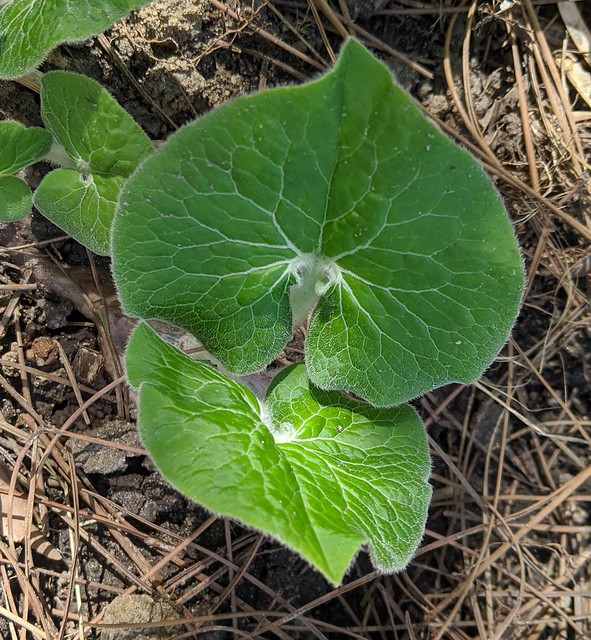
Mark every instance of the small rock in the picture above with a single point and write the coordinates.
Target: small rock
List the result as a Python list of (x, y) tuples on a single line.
[(11, 356), (103, 459), (437, 105), (88, 366), (43, 351), (56, 313), (138, 608)]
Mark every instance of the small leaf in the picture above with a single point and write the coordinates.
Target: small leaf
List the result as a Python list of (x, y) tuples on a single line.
[(29, 29), (21, 146), (15, 198), (104, 144), (339, 196), (321, 472)]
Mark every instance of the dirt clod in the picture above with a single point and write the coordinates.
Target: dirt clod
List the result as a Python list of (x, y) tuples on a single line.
[(137, 609)]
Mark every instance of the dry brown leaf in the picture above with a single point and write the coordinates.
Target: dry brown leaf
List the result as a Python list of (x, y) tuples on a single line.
[(577, 29), (18, 509), (577, 75)]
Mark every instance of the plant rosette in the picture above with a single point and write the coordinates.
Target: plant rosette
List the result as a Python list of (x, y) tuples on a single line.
[(98, 145), (338, 204)]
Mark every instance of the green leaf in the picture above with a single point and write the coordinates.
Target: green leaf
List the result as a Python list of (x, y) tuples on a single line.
[(104, 144), (29, 29), (319, 471), (15, 198), (340, 194), (21, 146)]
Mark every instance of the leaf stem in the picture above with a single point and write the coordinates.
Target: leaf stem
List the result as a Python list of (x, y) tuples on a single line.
[(315, 276), (58, 155)]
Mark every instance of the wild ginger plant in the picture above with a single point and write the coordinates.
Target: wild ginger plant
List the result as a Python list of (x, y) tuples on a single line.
[(334, 204), (98, 145), (95, 142)]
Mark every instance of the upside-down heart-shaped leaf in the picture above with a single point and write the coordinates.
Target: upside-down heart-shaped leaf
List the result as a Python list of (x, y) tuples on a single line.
[(319, 471), (29, 29), (337, 196), (104, 145)]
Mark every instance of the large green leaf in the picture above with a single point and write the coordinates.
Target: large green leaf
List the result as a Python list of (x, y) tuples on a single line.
[(30, 28), (338, 192), (321, 472), (21, 146), (104, 144)]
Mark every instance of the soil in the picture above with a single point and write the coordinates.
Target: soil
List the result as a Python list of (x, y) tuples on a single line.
[(108, 525)]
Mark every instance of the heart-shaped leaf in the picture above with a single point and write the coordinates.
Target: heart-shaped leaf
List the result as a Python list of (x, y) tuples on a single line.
[(319, 471), (30, 28), (104, 145), (340, 194)]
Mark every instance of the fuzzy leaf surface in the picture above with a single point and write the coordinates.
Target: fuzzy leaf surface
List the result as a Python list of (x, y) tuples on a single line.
[(104, 144), (321, 472), (21, 146), (16, 198), (339, 195), (29, 29)]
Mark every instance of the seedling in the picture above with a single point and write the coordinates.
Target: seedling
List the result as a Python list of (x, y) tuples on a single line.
[(339, 202), (81, 202), (333, 205), (98, 144), (29, 29)]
